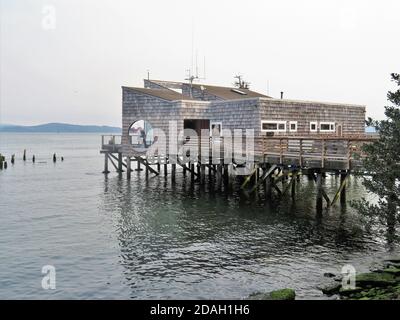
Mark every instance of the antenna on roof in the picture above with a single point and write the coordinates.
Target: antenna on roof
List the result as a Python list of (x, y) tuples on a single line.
[(148, 74), (240, 83)]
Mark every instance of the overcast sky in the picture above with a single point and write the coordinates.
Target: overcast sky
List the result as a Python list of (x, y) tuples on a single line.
[(66, 60)]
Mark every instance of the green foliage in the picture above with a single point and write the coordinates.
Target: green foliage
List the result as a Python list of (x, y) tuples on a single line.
[(283, 294), (383, 163)]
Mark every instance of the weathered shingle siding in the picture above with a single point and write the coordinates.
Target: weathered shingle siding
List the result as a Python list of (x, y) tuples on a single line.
[(351, 117), (238, 114), (156, 111)]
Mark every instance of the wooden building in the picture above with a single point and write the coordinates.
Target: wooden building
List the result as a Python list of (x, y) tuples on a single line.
[(195, 106)]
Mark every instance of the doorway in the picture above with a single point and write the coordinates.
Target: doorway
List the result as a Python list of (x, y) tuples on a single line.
[(196, 125), (339, 130)]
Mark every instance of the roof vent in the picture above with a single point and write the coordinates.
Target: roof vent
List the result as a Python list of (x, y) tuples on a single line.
[(239, 91)]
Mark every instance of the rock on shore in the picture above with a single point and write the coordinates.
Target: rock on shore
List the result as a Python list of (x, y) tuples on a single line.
[(282, 294), (381, 284)]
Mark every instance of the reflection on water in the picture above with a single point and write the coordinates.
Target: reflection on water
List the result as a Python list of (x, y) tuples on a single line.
[(179, 241), (148, 238)]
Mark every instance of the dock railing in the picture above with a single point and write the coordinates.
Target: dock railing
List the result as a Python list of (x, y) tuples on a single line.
[(329, 152), (111, 143)]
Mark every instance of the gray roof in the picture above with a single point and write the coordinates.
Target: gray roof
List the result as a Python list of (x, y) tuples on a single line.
[(229, 93), (169, 95)]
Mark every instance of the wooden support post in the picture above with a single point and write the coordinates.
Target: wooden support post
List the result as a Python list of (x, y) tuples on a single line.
[(323, 154), (106, 163), (202, 173), (294, 178), (268, 186), (343, 177), (192, 171), (138, 166), (219, 175), (301, 153), (147, 168), (120, 162), (158, 164), (165, 169), (226, 174), (128, 167), (173, 172), (319, 193), (184, 170)]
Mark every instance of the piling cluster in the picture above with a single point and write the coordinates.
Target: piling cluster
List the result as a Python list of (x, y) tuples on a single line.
[(4, 164)]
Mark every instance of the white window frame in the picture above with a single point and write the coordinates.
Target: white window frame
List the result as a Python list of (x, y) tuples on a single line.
[(332, 127), (216, 123), (316, 126), (290, 126), (278, 122)]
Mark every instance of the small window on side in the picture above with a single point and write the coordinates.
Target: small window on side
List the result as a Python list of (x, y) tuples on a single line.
[(313, 126)]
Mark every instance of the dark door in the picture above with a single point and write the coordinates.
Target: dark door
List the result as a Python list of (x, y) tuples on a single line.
[(197, 125)]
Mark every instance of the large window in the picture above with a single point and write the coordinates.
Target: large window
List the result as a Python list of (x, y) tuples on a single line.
[(327, 127), (273, 126)]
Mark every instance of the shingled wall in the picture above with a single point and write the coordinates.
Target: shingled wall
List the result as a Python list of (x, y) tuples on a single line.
[(351, 117)]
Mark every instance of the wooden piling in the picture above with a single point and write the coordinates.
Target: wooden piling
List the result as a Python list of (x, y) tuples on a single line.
[(192, 173), (319, 193), (105, 163), (173, 172), (184, 170), (128, 167), (294, 179), (138, 168), (120, 170), (13, 159), (24, 156), (226, 174), (202, 173), (343, 177)]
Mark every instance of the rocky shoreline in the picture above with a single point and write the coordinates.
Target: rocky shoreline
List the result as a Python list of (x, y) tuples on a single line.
[(382, 283)]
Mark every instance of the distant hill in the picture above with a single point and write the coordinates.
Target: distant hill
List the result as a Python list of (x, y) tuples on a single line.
[(59, 128)]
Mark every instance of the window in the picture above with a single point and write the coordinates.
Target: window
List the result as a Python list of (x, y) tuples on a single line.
[(293, 126), (273, 126), (216, 128), (327, 127), (313, 126)]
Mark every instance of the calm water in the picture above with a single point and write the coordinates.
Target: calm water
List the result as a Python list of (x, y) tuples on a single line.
[(110, 238)]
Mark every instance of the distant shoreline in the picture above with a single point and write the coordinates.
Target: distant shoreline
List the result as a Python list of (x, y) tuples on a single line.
[(58, 128)]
